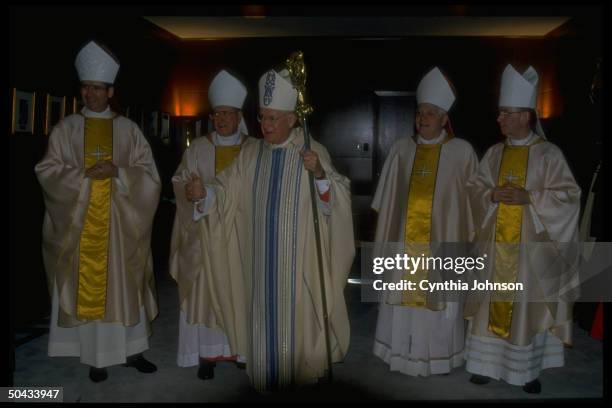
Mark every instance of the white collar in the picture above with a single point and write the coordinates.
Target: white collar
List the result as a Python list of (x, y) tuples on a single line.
[(437, 140), (105, 114), (521, 142), (230, 140)]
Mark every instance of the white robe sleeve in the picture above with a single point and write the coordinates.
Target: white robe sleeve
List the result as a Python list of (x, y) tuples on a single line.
[(480, 187), (121, 182), (322, 188), (557, 205), (202, 207)]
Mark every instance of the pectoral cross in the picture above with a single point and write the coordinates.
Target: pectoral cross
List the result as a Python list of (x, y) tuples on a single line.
[(510, 177), (422, 172), (98, 153)]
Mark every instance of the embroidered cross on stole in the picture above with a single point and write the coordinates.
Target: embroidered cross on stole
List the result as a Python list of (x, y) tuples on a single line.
[(513, 169), (94, 241), (417, 228)]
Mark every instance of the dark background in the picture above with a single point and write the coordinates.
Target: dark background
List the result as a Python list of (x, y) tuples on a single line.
[(362, 90)]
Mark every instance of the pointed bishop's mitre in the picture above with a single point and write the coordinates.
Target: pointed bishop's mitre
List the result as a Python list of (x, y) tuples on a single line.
[(435, 89), (521, 91), (93, 63), (226, 90), (518, 91), (276, 91)]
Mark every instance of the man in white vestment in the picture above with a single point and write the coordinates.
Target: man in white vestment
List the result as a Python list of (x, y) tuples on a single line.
[(526, 205), (421, 199), (276, 320), (205, 158), (101, 191)]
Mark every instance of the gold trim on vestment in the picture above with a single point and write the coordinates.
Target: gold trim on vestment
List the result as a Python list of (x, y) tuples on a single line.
[(94, 240), (513, 169), (224, 156), (417, 229)]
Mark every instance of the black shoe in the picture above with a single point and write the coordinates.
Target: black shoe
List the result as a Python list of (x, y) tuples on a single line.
[(140, 363), (206, 370), (533, 387), (240, 365), (479, 379), (97, 374), (324, 380)]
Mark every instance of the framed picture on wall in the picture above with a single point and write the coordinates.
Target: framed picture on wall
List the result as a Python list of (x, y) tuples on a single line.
[(165, 128), (56, 110), (23, 111), (77, 104), (153, 125)]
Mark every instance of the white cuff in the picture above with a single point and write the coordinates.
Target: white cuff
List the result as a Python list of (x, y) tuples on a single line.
[(322, 185), (122, 184), (539, 227), (202, 207), (489, 213)]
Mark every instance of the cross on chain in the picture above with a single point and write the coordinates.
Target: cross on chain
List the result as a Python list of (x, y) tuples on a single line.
[(510, 177), (423, 172), (98, 153)]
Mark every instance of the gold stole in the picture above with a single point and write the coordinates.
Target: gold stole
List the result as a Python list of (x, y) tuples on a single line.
[(417, 229), (94, 243), (224, 156), (513, 169)]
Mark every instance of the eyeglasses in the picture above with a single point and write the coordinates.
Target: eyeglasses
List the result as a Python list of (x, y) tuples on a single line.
[(505, 113), (222, 114), (270, 119)]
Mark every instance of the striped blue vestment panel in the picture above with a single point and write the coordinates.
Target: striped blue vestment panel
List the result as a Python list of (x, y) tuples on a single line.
[(275, 192)]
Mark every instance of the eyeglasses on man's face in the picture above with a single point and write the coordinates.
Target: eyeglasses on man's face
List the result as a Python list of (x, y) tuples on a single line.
[(272, 119), (502, 113), (223, 114)]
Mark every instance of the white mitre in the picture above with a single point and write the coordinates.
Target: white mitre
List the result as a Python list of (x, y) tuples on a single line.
[(93, 63), (435, 89), (520, 91), (276, 91), (227, 90)]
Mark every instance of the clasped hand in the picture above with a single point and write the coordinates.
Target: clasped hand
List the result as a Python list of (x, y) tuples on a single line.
[(194, 190), (103, 169), (510, 194), (312, 163)]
